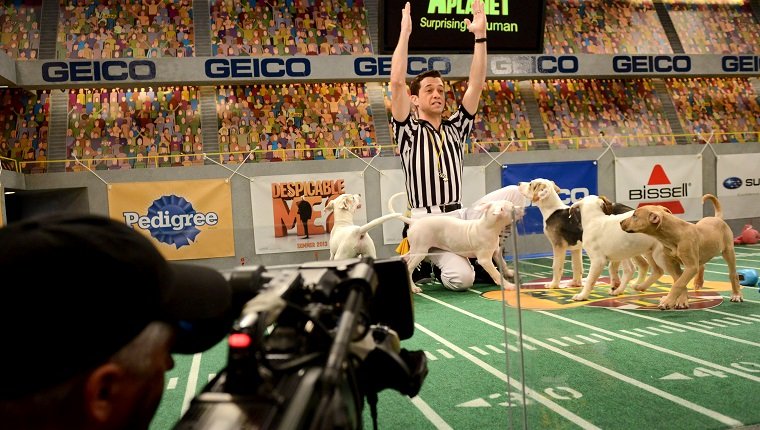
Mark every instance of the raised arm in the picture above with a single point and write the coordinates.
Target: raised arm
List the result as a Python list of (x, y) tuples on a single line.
[(477, 78), (400, 102)]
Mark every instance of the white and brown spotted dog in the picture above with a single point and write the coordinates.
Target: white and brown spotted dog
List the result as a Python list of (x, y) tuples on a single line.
[(687, 244), (563, 230), (346, 239)]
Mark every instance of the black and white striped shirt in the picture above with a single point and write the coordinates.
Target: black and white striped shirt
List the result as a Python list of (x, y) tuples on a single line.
[(432, 159)]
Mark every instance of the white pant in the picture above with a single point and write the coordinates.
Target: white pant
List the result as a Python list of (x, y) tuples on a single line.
[(456, 271)]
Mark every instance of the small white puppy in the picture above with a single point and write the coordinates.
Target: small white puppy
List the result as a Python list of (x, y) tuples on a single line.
[(346, 239)]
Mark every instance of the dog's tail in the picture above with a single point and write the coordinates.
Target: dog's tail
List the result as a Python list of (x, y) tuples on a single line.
[(377, 221), (393, 211), (715, 202)]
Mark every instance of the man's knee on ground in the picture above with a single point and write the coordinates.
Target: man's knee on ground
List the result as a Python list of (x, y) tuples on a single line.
[(457, 281)]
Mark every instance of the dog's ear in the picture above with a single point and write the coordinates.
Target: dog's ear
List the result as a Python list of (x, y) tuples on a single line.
[(482, 207), (574, 209), (556, 187), (541, 194), (606, 205), (654, 218), (345, 202), (667, 210), (330, 206)]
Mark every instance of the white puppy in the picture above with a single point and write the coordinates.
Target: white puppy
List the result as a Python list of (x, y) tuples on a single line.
[(476, 238), (604, 240), (346, 239)]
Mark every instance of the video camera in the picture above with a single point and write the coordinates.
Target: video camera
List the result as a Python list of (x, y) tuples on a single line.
[(311, 342)]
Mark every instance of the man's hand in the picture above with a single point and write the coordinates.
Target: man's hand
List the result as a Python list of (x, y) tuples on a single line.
[(406, 20), (478, 24)]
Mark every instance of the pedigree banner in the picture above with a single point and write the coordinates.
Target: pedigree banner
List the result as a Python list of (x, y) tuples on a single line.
[(289, 210), (671, 181), (392, 182), (184, 219), (738, 185)]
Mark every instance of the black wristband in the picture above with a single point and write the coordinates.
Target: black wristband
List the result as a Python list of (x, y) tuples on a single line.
[(481, 40)]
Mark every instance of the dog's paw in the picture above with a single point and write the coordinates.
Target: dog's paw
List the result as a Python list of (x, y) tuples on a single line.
[(580, 298), (576, 283), (737, 298), (508, 285), (551, 285), (640, 288), (617, 291), (416, 289), (668, 302)]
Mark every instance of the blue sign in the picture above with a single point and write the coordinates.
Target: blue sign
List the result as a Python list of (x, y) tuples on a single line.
[(576, 180)]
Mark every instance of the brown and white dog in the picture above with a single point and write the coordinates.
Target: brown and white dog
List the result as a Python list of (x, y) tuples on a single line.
[(690, 245), (563, 230), (346, 239), (605, 241), (471, 238)]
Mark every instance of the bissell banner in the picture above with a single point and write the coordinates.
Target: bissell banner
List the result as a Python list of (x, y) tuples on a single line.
[(289, 210), (184, 219), (392, 182), (738, 185), (576, 180), (671, 181)]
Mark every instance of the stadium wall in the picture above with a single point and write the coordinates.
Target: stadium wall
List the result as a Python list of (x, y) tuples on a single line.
[(84, 192), (249, 70)]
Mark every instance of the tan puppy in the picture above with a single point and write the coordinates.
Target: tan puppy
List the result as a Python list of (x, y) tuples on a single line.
[(689, 244)]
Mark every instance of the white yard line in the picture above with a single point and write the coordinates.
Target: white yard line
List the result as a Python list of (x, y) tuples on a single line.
[(533, 394), (646, 387), (430, 414), (192, 382), (744, 375), (687, 327)]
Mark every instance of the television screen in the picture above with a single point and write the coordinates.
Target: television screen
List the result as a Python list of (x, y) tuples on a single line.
[(514, 27)]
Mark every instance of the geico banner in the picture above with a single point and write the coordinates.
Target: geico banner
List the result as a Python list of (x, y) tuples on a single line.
[(392, 182), (244, 70), (671, 181), (738, 185), (184, 219), (289, 210), (575, 179)]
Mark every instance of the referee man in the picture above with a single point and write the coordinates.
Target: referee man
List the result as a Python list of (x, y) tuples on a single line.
[(431, 147)]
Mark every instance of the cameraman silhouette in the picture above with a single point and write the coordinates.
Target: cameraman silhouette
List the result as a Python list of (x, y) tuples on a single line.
[(91, 353)]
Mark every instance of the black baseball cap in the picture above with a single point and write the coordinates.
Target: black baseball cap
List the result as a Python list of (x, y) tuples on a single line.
[(84, 287)]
